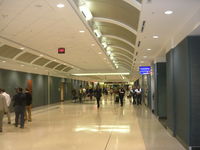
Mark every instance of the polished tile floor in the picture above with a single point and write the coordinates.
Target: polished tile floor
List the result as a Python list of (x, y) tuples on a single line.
[(74, 126)]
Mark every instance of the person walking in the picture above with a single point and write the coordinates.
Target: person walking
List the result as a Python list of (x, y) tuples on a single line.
[(19, 107), (80, 94), (98, 94), (28, 105), (3, 109), (139, 95), (74, 97), (8, 101), (121, 95)]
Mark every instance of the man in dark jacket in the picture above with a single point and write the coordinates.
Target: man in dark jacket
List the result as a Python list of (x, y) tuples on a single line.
[(121, 95), (98, 94), (28, 105), (19, 107)]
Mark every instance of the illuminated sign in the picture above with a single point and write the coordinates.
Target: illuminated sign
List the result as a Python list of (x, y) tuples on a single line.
[(61, 50), (145, 70)]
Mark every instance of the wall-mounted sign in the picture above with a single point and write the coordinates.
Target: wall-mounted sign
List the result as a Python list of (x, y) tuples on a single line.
[(145, 70), (61, 50)]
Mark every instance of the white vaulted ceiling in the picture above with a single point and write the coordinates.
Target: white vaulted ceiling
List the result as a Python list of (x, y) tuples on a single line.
[(40, 28)]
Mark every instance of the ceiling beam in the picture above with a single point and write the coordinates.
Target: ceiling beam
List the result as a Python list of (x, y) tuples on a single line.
[(112, 21), (118, 38)]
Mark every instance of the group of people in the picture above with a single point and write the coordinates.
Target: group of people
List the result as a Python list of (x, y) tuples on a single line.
[(136, 95), (22, 102)]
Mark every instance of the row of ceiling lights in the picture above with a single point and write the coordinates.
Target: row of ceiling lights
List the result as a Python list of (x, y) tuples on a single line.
[(88, 16), (167, 12)]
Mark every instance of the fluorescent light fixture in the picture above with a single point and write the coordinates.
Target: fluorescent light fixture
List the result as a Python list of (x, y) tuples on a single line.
[(114, 61), (100, 53), (101, 74), (111, 57), (81, 31), (22, 48), (86, 12), (104, 44), (108, 52), (168, 12), (60, 5), (97, 33), (122, 77), (148, 49), (155, 36), (117, 66), (108, 48)]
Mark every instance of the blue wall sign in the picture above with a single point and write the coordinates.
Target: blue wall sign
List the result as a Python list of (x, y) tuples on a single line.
[(145, 70)]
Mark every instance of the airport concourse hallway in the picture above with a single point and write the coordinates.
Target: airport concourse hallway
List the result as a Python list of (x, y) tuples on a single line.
[(75, 126)]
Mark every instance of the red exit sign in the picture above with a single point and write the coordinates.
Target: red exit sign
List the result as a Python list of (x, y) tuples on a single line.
[(61, 50)]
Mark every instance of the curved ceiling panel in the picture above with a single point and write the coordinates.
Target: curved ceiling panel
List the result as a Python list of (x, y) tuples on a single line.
[(118, 59), (116, 10), (122, 56), (124, 65), (122, 52), (113, 29), (118, 43)]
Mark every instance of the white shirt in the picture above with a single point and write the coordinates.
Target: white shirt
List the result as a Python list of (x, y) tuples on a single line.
[(8, 99), (138, 91)]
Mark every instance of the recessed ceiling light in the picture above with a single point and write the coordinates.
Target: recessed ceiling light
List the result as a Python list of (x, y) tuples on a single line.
[(104, 58), (168, 12), (22, 48), (81, 31), (22, 65), (148, 49), (54, 60), (41, 55), (145, 56), (60, 5), (3, 61), (155, 36), (142, 62), (92, 44), (99, 53)]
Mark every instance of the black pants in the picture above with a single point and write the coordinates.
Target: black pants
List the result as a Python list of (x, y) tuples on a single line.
[(139, 99), (98, 101), (19, 113), (121, 100), (134, 99)]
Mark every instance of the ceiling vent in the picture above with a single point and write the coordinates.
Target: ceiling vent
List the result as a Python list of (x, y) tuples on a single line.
[(41, 61), (8, 51), (143, 25), (149, 1), (26, 57), (139, 42), (52, 64)]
